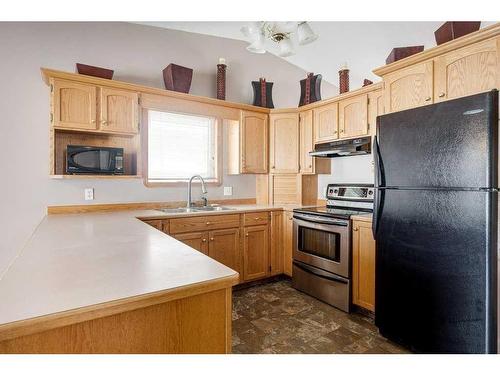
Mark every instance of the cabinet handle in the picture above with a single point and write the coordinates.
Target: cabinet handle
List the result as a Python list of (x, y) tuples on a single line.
[(335, 132), (104, 122), (310, 166), (341, 130), (428, 99), (208, 222), (355, 229), (204, 240), (211, 238), (442, 95), (92, 121), (272, 167), (257, 218), (290, 218), (246, 235)]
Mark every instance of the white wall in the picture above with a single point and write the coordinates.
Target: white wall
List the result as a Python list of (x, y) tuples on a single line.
[(351, 169), (138, 54)]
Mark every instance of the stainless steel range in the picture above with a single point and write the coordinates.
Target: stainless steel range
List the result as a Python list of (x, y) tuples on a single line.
[(322, 250)]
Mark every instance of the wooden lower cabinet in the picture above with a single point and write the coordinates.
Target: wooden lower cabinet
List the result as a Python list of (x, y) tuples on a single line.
[(196, 240), (224, 247), (363, 260), (288, 243), (256, 252), (277, 245)]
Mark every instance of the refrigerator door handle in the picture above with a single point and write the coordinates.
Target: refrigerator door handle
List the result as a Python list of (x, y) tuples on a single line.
[(378, 191)]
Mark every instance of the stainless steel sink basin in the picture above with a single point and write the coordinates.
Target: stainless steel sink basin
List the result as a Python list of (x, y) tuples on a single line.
[(213, 208), (181, 210)]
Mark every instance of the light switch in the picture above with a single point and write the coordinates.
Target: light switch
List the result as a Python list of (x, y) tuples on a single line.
[(228, 190), (89, 194)]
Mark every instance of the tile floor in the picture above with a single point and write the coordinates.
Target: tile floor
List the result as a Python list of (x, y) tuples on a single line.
[(275, 318)]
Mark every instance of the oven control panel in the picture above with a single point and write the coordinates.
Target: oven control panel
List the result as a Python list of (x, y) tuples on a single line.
[(350, 192)]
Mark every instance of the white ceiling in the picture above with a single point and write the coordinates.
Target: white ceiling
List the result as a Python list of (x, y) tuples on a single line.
[(363, 45)]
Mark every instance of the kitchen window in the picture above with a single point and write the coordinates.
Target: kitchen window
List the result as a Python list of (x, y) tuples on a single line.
[(180, 146)]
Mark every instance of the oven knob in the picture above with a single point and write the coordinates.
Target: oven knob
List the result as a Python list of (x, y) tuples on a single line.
[(336, 191), (370, 192)]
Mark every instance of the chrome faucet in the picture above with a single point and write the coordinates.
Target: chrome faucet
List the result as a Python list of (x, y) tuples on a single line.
[(203, 190)]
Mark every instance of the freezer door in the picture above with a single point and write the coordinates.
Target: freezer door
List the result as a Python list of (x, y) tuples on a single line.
[(436, 266), (450, 144)]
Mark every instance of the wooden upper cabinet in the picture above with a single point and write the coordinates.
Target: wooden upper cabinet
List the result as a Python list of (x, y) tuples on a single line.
[(409, 87), (375, 108), (74, 105), (196, 240), (277, 244), (256, 252), (363, 265), (306, 141), (118, 110), (224, 247), (353, 116), (326, 123), (254, 142), (468, 70), (284, 141)]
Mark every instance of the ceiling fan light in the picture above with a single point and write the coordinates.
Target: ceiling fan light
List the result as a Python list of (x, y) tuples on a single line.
[(305, 33), (286, 48), (257, 46)]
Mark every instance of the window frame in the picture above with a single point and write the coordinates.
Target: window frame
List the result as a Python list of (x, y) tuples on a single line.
[(218, 150)]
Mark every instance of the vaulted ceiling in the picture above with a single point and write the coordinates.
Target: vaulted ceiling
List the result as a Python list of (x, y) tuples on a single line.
[(362, 45)]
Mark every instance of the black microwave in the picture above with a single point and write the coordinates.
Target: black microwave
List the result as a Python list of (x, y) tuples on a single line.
[(94, 160)]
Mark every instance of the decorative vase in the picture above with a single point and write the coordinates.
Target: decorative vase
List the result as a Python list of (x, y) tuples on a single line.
[(263, 93), (94, 71), (402, 52), (310, 89), (343, 79), (221, 79), (455, 29), (367, 82), (177, 78)]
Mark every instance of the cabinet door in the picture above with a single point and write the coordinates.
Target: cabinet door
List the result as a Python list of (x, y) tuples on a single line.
[(118, 111), (284, 140), (196, 240), (285, 189), (157, 224), (225, 247), (409, 88), (254, 141), (468, 70), (306, 141), (363, 258), (375, 108), (288, 243), (74, 105), (277, 244), (256, 252), (353, 116), (326, 123)]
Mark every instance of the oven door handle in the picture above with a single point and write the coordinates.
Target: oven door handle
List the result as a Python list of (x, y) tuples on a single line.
[(320, 273), (319, 221)]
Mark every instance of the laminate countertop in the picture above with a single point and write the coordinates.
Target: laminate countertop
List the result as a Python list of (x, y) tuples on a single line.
[(75, 261)]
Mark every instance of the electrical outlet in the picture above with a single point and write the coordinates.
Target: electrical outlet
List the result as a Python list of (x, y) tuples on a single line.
[(228, 190), (89, 194)]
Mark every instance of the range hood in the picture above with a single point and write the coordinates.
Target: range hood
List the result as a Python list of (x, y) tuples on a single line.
[(348, 147)]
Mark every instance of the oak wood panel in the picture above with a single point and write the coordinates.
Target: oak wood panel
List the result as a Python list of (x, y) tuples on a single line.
[(284, 143), (197, 324), (224, 247), (118, 110), (196, 240), (467, 71), (353, 116), (74, 105), (256, 252), (165, 226), (288, 243), (254, 142), (326, 123), (277, 244), (256, 218), (363, 257), (203, 223), (65, 138), (308, 164), (285, 189), (409, 88), (375, 108), (262, 195), (157, 223)]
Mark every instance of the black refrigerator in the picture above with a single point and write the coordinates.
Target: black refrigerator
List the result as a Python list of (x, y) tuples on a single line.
[(435, 226)]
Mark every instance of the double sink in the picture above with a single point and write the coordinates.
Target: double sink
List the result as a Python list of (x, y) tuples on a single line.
[(181, 210)]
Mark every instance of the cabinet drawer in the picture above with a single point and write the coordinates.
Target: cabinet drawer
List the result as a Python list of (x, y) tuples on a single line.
[(200, 223), (256, 218)]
